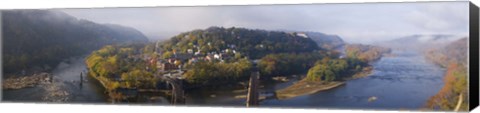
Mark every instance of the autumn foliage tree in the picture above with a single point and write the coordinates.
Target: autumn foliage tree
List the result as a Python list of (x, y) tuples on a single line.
[(454, 93)]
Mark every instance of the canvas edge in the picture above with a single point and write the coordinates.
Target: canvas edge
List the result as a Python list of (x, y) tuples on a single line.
[(473, 56)]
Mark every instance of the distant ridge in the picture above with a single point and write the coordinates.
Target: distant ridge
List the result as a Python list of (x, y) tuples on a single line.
[(42, 38), (420, 42), (323, 40)]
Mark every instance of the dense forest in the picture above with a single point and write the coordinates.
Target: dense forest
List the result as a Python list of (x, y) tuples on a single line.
[(453, 57), (213, 74), (121, 66), (327, 70), (365, 53), (284, 64), (252, 43), (357, 58), (38, 40)]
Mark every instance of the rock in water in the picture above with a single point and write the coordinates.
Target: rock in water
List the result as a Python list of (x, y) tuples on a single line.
[(26, 81), (373, 98)]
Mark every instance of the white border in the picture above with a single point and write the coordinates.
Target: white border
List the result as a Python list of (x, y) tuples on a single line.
[(74, 108)]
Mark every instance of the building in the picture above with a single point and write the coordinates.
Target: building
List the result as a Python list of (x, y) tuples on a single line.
[(193, 60), (217, 56), (166, 66), (190, 51), (183, 56), (302, 35)]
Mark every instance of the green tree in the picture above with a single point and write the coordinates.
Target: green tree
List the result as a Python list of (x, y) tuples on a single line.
[(167, 54)]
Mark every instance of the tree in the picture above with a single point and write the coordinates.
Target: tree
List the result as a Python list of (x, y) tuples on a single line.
[(211, 73), (167, 54), (333, 69), (287, 63)]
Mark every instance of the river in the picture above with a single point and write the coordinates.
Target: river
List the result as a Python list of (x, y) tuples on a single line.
[(67, 78), (405, 81)]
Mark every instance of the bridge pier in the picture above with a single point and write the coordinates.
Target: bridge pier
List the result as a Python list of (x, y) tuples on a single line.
[(176, 86), (178, 94)]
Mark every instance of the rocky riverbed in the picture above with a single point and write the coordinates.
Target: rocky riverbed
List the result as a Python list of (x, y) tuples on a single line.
[(55, 90), (26, 81)]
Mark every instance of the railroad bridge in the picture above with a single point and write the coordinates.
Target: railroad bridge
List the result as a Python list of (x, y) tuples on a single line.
[(253, 85), (175, 82)]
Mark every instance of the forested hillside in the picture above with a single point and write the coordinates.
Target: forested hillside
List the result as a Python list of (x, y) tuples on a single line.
[(454, 94), (251, 43), (365, 53), (419, 42), (326, 41), (39, 39), (454, 52)]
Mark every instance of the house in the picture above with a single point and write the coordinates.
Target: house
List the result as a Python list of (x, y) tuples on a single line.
[(231, 46), (225, 56), (217, 56), (193, 60), (209, 57), (197, 53), (152, 61), (166, 66), (183, 56), (190, 51), (171, 60)]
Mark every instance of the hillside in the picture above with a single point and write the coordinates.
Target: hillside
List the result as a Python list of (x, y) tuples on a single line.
[(326, 41), (420, 42), (323, 40), (453, 57), (252, 43), (365, 53), (40, 39), (454, 52)]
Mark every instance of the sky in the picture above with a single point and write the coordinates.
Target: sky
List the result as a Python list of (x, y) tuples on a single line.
[(362, 23)]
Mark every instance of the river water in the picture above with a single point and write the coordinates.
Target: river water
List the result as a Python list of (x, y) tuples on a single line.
[(67, 78), (405, 81)]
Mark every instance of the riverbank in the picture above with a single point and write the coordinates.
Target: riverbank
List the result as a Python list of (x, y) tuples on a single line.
[(305, 87), (364, 73), (26, 81), (52, 90)]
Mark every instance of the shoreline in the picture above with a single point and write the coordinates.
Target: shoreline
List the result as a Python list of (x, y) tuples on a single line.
[(364, 73), (34, 80), (304, 87), (54, 89)]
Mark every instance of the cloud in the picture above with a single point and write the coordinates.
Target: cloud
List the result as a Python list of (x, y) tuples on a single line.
[(354, 22), (441, 17)]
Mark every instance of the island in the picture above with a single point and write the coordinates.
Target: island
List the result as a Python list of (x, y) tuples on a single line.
[(330, 73)]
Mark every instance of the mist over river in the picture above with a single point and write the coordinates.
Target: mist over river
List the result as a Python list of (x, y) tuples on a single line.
[(404, 81)]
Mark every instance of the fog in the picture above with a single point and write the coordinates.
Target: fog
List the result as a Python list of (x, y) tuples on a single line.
[(363, 23)]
